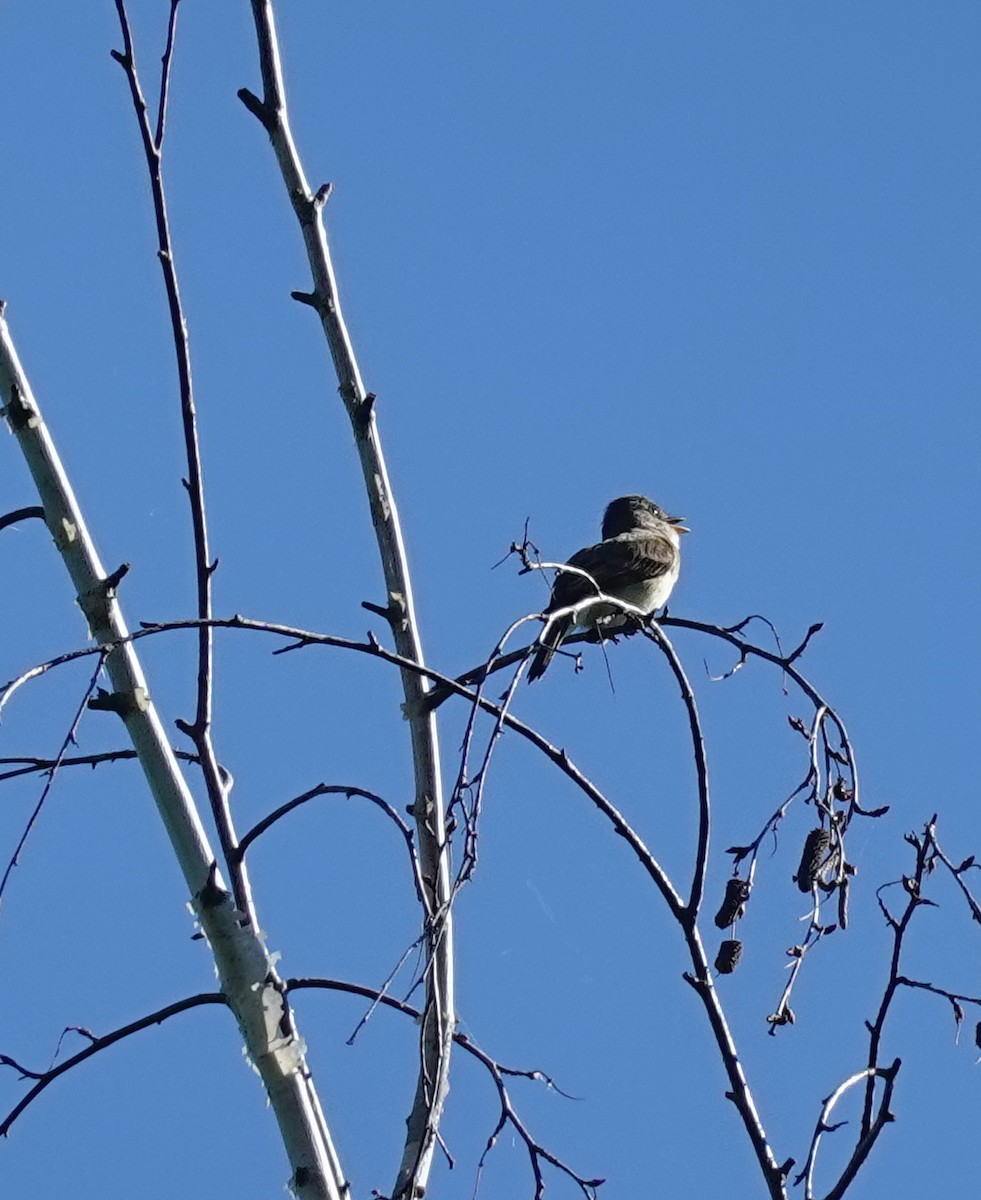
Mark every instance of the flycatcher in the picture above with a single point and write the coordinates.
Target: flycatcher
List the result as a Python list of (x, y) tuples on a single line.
[(637, 562)]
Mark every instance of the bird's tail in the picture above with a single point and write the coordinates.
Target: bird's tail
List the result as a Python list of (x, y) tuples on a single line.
[(551, 639)]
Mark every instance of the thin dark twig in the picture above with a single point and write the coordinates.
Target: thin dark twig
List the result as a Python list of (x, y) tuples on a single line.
[(102, 1043), (68, 741), (373, 649), (34, 766), (958, 873), (660, 639), (21, 514), (497, 1071), (474, 785), (953, 997), (912, 886), (199, 731), (337, 789), (383, 991), (165, 65)]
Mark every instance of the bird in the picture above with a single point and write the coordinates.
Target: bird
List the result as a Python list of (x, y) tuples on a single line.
[(637, 562)]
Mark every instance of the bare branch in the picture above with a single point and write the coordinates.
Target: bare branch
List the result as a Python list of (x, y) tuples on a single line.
[(658, 636), (824, 1126), (308, 638), (883, 1117), (21, 514), (953, 997), (165, 64), (246, 970), (216, 782), (69, 741), (335, 789), (774, 1173), (436, 1034), (508, 1114), (33, 766), (95, 1046), (958, 873)]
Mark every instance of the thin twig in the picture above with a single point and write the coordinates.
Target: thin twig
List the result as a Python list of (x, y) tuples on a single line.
[(21, 514), (913, 887), (46, 1078), (68, 741), (166, 62), (199, 731), (35, 766), (336, 789), (652, 630), (508, 1115)]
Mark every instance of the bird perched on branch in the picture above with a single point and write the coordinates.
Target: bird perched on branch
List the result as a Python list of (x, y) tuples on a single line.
[(637, 562)]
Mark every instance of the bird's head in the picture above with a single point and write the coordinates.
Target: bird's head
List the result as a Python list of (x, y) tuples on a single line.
[(637, 512)]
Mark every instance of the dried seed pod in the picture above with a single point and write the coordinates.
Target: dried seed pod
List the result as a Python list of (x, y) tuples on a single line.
[(734, 903), (728, 957), (812, 856)]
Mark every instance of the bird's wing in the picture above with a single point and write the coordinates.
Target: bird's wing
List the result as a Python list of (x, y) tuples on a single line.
[(614, 564)]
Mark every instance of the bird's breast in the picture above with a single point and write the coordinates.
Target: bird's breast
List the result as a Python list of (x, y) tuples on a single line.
[(647, 594)]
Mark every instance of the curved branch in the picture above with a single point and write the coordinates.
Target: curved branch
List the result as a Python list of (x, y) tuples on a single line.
[(21, 514), (46, 1078), (864, 1148), (657, 635), (823, 1126), (300, 638), (337, 789)]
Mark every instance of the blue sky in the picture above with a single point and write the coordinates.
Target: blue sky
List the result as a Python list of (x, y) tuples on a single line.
[(726, 255)]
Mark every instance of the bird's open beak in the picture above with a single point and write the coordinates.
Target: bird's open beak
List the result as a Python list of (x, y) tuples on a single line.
[(677, 523)]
